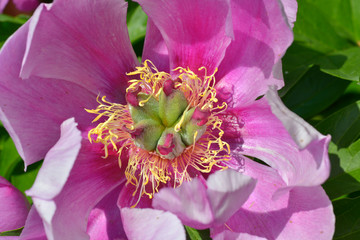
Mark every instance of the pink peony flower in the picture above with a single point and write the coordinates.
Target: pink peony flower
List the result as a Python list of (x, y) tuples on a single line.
[(146, 155), (14, 207)]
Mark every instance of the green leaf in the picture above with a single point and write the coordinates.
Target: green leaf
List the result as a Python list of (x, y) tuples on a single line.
[(15, 232), (347, 226), (314, 93), (314, 28), (328, 32), (194, 234), (339, 63), (343, 125), (20, 19), (24, 180), (342, 15), (351, 95), (344, 64), (12, 166), (345, 170), (9, 157), (296, 62), (8, 25), (136, 23)]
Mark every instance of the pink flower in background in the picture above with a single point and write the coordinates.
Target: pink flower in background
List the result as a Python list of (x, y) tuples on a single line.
[(3, 4), (22, 5), (156, 133), (26, 5), (14, 207)]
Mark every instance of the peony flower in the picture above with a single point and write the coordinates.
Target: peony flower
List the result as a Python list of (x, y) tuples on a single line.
[(14, 207), (136, 151)]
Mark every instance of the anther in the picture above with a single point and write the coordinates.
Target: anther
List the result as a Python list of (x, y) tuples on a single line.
[(131, 96), (168, 86), (134, 132), (168, 145), (177, 80), (200, 116)]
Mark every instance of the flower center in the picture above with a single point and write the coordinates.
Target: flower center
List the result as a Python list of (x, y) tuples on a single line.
[(165, 123), (170, 127)]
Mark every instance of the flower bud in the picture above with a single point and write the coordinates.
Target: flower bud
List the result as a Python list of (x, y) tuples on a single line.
[(149, 110), (194, 126), (171, 106), (150, 133), (170, 144)]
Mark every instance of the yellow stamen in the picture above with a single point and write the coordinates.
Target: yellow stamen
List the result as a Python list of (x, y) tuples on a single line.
[(148, 170)]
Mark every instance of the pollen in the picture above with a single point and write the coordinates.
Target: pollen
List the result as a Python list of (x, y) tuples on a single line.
[(170, 128)]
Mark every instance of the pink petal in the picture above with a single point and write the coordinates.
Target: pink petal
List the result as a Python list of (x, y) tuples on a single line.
[(26, 5), (3, 4), (34, 228), (290, 8), (49, 184), (228, 235), (302, 213), (196, 32), (228, 191), (127, 199), (150, 224), (189, 203), (35, 108), (104, 220), (201, 206), (301, 132), (71, 183), (83, 42), (261, 37), (14, 207), (265, 137), (155, 48)]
